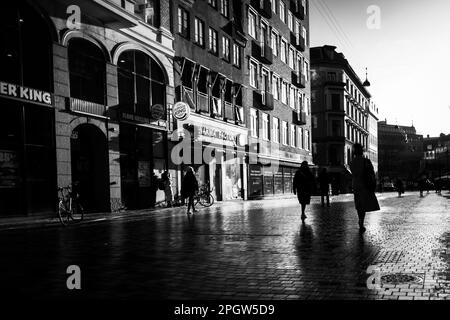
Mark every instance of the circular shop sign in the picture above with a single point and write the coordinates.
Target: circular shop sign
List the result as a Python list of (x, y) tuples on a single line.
[(157, 111), (181, 111), (241, 140)]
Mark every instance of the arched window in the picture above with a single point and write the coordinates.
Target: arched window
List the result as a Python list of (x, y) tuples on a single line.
[(141, 83), (87, 68), (26, 46)]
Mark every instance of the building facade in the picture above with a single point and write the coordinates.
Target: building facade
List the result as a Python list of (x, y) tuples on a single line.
[(436, 157), (208, 67), (276, 70), (341, 114), (85, 90), (400, 151), (242, 67), (372, 145)]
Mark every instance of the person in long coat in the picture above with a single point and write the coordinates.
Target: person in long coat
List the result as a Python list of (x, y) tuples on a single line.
[(303, 185), (189, 187), (364, 185)]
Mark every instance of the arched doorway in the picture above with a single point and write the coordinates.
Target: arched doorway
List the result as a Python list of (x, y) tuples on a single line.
[(89, 155)]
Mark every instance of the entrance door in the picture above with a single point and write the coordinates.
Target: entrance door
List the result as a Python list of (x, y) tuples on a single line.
[(90, 174), (218, 182)]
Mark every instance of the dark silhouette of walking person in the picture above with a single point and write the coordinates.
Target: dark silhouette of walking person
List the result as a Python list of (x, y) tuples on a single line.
[(422, 183), (364, 185), (438, 186), (399, 187), (167, 187), (153, 189), (303, 186), (324, 182), (189, 187)]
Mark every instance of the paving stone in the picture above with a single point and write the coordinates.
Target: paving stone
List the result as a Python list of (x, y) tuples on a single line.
[(249, 250)]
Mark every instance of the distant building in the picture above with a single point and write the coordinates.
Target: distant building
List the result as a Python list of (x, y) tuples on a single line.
[(341, 111), (400, 152), (436, 156), (277, 65), (372, 146)]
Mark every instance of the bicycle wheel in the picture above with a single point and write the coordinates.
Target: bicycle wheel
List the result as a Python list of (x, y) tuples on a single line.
[(63, 214), (77, 212), (206, 200)]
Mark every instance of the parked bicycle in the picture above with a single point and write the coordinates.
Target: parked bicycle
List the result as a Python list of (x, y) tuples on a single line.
[(204, 196), (69, 207)]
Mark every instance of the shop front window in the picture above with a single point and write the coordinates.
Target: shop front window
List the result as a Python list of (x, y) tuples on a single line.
[(27, 151), (87, 68), (141, 83), (26, 47)]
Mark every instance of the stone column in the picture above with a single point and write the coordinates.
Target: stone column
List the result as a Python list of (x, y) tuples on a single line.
[(62, 119), (113, 131)]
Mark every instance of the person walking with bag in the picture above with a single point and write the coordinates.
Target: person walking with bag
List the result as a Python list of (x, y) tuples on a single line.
[(364, 185), (189, 187), (303, 186)]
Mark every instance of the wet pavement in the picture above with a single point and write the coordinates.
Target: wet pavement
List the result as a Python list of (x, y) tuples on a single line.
[(242, 250)]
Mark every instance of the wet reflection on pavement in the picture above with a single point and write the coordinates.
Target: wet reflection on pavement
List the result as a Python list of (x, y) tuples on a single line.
[(243, 250)]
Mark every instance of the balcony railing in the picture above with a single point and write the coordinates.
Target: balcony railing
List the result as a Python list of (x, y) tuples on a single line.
[(297, 9), (298, 79), (217, 107), (263, 100), (299, 117), (300, 43), (262, 52), (229, 112), (264, 7), (239, 111), (213, 106), (86, 107), (202, 102), (186, 94), (234, 114)]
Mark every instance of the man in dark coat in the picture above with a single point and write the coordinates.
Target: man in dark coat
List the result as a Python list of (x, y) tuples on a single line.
[(303, 186), (324, 182), (189, 187)]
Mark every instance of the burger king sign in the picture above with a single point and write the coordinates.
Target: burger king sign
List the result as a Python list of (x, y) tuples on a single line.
[(181, 111)]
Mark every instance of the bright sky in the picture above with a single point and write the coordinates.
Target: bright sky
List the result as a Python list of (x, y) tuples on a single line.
[(408, 58)]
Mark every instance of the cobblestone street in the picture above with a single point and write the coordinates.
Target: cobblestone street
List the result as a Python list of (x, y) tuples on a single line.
[(243, 250)]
